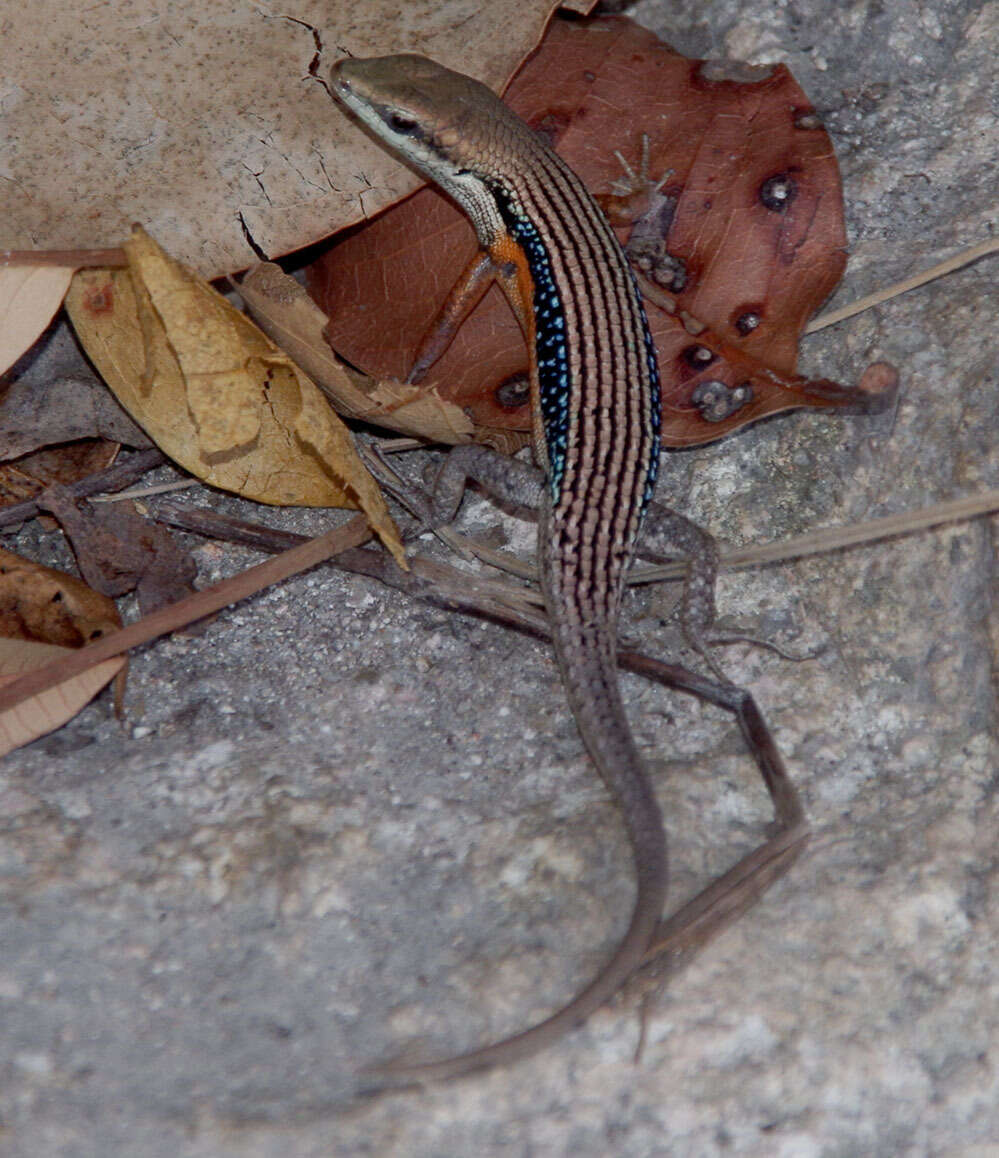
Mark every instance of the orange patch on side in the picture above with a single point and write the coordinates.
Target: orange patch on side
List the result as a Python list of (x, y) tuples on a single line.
[(518, 285)]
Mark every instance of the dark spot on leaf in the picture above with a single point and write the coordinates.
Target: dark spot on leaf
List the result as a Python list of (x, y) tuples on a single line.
[(551, 126), (698, 357), (99, 299), (717, 401), (646, 250), (777, 192), (747, 321), (671, 273), (513, 392)]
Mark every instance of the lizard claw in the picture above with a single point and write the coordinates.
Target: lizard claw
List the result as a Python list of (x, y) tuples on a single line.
[(411, 496)]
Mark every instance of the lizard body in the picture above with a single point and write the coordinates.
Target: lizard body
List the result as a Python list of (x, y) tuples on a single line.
[(595, 397)]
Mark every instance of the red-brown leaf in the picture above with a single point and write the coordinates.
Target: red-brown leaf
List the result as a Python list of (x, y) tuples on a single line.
[(725, 131)]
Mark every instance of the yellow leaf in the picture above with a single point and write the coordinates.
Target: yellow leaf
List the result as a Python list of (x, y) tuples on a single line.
[(214, 392)]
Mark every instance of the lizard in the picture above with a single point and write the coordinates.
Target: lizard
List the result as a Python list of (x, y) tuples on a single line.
[(595, 416)]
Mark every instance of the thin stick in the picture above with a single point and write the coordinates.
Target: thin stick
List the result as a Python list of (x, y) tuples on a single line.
[(428, 579), (810, 543), (965, 257), (186, 611), (148, 492), (70, 258)]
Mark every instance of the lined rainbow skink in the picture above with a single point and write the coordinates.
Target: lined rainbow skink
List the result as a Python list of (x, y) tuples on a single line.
[(595, 397)]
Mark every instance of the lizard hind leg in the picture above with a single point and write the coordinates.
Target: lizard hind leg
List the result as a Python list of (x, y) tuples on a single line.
[(666, 532)]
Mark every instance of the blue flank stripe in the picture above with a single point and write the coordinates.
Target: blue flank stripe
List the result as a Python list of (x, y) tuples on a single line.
[(554, 383), (550, 346)]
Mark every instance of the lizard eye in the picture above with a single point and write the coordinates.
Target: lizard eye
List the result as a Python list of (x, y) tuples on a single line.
[(404, 125)]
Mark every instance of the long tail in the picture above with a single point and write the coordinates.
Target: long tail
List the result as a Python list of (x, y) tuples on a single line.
[(587, 659)]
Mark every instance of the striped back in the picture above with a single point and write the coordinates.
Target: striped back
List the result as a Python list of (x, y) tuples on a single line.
[(596, 365)]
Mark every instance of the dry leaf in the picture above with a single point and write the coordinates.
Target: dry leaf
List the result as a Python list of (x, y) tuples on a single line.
[(39, 603), (76, 421), (118, 551), (203, 119), (27, 477), (29, 298), (39, 414), (50, 709), (215, 393), (286, 313), (44, 613)]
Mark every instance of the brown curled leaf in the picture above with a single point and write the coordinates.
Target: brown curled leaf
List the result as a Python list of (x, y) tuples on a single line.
[(286, 313), (26, 477), (37, 414), (118, 551), (40, 603)]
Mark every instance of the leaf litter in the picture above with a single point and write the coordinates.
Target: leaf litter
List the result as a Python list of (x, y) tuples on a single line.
[(635, 200)]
